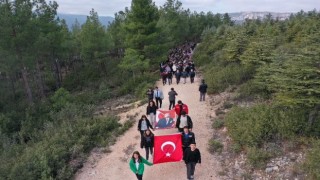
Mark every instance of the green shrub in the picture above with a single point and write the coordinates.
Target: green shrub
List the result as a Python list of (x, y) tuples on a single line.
[(60, 99), (263, 123), (50, 158), (257, 158), (274, 149), (235, 148), (219, 112), (215, 146), (250, 91), (139, 85), (7, 125), (219, 78), (104, 92), (312, 165), (227, 105), (127, 125), (72, 112), (218, 123)]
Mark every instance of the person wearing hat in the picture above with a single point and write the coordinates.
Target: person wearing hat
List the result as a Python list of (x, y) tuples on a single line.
[(181, 107), (191, 157), (184, 121), (203, 90)]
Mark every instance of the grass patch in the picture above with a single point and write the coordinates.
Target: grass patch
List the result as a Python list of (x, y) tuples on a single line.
[(257, 158), (215, 146), (312, 166), (236, 148), (227, 105), (219, 112), (218, 123)]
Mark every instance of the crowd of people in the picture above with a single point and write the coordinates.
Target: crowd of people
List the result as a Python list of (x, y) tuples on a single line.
[(179, 65), (181, 59)]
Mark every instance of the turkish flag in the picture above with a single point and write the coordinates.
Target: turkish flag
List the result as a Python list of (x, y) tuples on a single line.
[(167, 148)]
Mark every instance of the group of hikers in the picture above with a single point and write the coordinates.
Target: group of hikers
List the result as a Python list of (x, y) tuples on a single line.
[(179, 65), (183, 123)]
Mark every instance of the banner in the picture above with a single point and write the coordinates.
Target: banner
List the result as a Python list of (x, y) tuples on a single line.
[(165, 119), (167, 148)]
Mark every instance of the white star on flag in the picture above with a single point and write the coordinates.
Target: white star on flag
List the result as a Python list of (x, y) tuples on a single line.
[(168, 154)]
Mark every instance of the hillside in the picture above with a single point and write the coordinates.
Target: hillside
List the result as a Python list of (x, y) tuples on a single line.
[(240, 17), (71, 19), (61, 90)]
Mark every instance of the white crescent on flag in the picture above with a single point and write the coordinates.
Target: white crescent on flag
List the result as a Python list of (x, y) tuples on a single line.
[(168, 143)]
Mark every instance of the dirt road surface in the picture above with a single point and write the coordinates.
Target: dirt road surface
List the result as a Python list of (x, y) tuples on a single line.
[(115, 165)]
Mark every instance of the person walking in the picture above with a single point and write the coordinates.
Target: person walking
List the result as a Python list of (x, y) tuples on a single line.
[(192, 75), (137, 164), (184, 121), (151, 112), (174, 68), (184, 75), (188, 138), (178, 76), (203, 90), (164, 76), (143, 125), (172, 98), (170, 77), (191, 157), (150, 94), (181, 107), (148, 143), (158, 95)]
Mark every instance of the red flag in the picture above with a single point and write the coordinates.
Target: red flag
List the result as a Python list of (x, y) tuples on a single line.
[(167, 148)]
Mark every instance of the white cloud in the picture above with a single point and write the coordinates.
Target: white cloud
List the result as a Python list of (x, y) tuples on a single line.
[(110, 7)]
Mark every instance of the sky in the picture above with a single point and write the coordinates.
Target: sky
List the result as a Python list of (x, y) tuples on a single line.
[(110, 7)]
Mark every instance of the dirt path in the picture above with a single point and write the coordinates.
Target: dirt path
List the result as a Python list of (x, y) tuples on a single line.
[(114, 166)]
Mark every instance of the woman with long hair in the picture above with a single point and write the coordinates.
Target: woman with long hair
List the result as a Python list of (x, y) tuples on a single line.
[(151, 112), (143, 125), (137, 164), (148, 142)]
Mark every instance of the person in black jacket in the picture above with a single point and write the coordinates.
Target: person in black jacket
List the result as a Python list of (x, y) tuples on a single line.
[(151, 112), (148, 142), (203, 90), (170, 77), (178, 76), (183, 121), (192, 75), (143, 125), (188, 138), (150, 94), (191, 157)]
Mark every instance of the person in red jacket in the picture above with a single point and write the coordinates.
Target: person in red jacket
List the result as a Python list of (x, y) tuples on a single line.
[(181, 107)]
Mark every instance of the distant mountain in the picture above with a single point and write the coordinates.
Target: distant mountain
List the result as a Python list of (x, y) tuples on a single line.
[(238, 17), (71, 18), (242, 16)]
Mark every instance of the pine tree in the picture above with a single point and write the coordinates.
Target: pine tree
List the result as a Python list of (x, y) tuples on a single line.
[(141, 26)]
